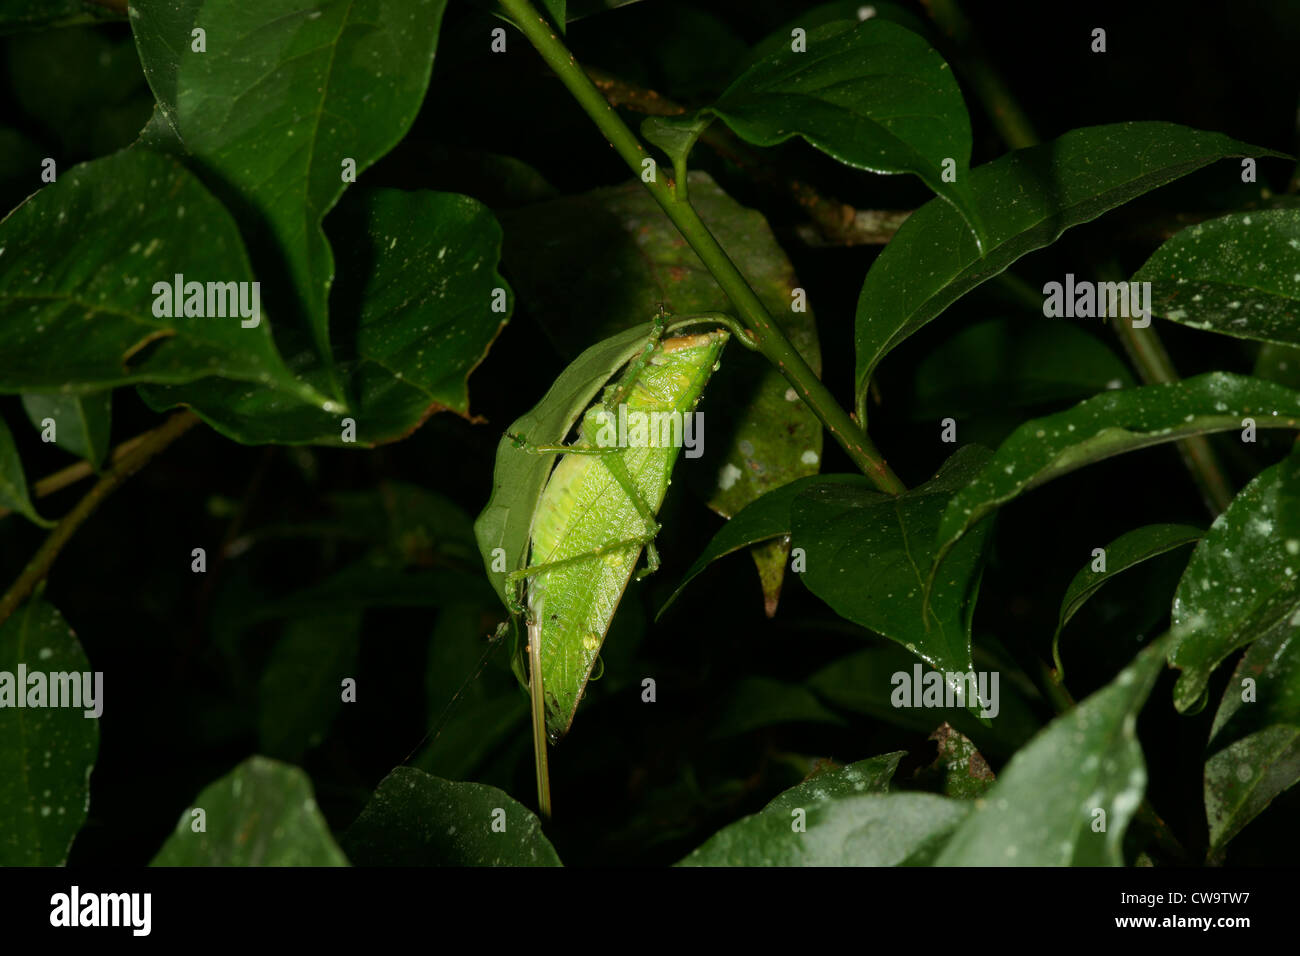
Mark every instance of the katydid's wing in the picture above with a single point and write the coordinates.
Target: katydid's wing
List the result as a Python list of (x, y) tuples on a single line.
[(594, 518), (503, 527)]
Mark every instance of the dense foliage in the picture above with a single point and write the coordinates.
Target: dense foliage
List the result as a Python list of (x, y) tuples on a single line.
[(335, 285)]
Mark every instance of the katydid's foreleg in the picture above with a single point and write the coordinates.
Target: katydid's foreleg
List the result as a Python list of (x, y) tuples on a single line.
[(519, 441)]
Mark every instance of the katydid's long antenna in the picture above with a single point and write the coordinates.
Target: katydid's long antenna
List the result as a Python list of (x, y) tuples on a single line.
[(539, 719), (441, 722)]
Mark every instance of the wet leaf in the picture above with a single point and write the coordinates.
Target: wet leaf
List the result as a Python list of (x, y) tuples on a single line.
[(1110, 424), (1026, 200), (849, 819), (262, 813), (1242, 583), (1126, 551), (1238, 275), (337, 81), (301, 689), (13, 483), (413, 316), (1255, 744), (875, 96), (764, 519), (867, 555), (81, 422), (415, 819), (1083, 771), (960, 770), (46, 752), (120, 225)]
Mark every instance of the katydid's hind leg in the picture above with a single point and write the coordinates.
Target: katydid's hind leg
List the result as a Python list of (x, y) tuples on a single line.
[(624, 479)]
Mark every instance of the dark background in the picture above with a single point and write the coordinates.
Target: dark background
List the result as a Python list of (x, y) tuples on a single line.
[(632, 783)]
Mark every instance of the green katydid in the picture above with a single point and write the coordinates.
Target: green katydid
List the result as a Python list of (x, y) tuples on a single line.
[(594, 516)]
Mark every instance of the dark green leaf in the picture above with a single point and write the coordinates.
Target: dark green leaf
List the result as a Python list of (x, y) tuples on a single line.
[(412, 318), (19, 15), (1026, 200), (81, 422), (763, 519), (849, 817), (262, 813), (1255, 742), (1013, 363), (302, 686), (13, 484), (339, 81), (846, 14), (46, 752), (759, 702), (1126, 551), (1239, 275), (1110, 424), (1242, 583), (867, 553), (415, 819), (1082, 773), (120, 225), (876, 96), (864, 682)]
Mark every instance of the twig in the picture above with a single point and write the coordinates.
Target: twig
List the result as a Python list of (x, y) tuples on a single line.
[(148, 445)]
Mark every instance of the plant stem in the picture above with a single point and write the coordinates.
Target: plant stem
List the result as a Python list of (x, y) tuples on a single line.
[(146, 446), (770, 340), (1149, 357)]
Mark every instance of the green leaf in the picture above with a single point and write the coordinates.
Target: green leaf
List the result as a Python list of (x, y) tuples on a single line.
[(867, 553), (1026, 200), (1126, 551), (13, 484), (1255, 743), (846, 14), (876, 97), (1110, 424), (759, 702), (415, 819), (19, 15), (1013, 363), (120, 225), (1043, 809), (863, 682), (339, 81), (763, 519), (46, 753), (849, 817), (1242, 583), (81, 422), (302, 685), (1238, 275), (412, 318), (262, 813), (520, 475)]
